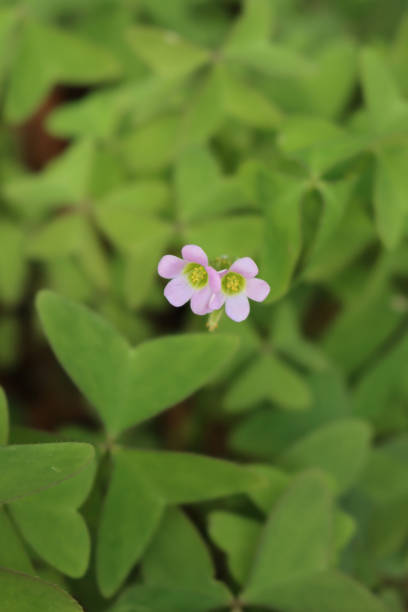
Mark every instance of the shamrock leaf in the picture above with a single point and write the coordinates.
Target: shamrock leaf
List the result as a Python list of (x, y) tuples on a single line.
[(120, 382)]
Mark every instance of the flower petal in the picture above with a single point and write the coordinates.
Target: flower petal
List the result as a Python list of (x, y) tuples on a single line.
[(214, 279), (194, 253), (170, 266), (178, 291), (237, 307), (257, 289), (245, 266), (200, 300), (216, 301)]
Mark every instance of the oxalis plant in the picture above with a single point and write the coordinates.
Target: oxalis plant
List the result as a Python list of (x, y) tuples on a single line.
[(147, 551), (239, 444)]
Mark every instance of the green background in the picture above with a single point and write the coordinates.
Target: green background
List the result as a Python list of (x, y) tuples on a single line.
[(145, 464)]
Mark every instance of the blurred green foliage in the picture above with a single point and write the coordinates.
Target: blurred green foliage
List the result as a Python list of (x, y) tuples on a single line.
[(275, 129)]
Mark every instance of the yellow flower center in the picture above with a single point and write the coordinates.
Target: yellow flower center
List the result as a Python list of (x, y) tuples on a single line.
[(197, 275), (233, 283)]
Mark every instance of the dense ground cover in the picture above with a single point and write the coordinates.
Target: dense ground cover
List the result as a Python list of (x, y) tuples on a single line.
[(145, 463)]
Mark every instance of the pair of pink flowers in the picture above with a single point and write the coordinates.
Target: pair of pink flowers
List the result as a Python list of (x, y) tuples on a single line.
[(192, 278)]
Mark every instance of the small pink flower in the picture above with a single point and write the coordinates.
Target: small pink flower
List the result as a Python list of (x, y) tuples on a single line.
[(192, 279), (237, 285)]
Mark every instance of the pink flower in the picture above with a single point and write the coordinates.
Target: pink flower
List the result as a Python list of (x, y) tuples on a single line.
[(192, 279), (237, 285)]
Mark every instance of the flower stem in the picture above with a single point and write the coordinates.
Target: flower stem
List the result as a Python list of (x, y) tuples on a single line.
[(213, 319)]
